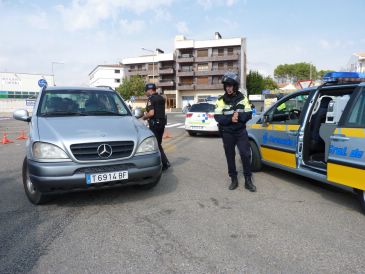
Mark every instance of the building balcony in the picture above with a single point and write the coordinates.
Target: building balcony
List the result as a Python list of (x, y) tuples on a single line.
[(216, 58), (166, 83), (208, 86), (185, 73), (183, 86), (132, 72), (203, 59), (203, 73), (185, 59), (166, 71)]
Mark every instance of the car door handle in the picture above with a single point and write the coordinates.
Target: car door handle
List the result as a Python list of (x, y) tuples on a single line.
[(339, 138), (292, 132)]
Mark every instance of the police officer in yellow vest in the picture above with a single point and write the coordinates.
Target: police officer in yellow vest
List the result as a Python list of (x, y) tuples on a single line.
[(232, 112)]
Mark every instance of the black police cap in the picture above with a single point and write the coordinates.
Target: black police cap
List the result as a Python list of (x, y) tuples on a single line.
[(150, 86)]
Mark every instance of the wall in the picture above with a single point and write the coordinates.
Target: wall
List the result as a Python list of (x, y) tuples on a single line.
[(8, 106)]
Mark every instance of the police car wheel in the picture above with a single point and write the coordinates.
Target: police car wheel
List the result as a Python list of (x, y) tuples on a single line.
[(192, 133), (361, 196), (33, 194), (256, 164)]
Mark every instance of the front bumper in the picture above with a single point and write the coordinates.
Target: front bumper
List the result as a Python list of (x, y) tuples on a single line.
[(64, 176)]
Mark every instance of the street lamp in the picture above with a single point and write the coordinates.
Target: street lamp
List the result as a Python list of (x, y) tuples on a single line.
[(153, 62), (55, 63)]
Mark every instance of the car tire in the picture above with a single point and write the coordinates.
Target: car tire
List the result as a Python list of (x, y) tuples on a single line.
[(34, 196), (192, 133), (256, 164), (361, 196), (150, 185)]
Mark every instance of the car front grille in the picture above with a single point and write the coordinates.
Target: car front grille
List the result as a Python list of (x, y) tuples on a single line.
[(102, 169), (89, 151)]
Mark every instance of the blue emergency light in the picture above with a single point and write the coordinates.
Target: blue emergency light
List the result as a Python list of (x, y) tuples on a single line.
[(332, 77)]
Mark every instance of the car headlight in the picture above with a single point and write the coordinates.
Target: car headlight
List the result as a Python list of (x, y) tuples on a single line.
[(148, 145), (48, 151)]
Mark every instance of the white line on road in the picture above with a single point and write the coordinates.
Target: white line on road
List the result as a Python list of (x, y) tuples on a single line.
[(181, 126), (174, 125)]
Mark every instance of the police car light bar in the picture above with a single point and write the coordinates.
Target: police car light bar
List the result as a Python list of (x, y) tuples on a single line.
[(334, 77)]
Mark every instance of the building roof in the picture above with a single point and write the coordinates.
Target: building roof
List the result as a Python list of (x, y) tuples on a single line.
[(107, 66)]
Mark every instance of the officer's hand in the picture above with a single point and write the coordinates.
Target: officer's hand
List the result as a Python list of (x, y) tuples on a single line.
[(235, 117)]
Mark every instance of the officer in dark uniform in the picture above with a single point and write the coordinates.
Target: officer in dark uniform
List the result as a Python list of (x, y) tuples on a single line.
[(232, 112), (155, 114)]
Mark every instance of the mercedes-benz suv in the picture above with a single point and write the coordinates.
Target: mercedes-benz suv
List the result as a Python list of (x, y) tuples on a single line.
[(81, 138)]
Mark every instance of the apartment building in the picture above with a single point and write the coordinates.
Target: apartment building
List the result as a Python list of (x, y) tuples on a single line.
[(357, 62), (194, 70), (106, 75), (158, 68)]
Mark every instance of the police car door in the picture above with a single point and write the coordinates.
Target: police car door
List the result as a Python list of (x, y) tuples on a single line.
[(280, 132), (346, 159)]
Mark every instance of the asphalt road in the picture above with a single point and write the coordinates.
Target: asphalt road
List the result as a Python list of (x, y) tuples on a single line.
[(189, 223)]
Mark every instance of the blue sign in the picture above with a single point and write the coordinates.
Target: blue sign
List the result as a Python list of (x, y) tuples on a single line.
[(42, 83), (133, 98)]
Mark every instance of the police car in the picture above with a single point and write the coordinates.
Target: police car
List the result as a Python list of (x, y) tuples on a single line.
[(200, 119), (317, 133)]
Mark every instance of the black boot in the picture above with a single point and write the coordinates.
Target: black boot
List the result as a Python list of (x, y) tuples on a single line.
[(249, 184), (234, 183)]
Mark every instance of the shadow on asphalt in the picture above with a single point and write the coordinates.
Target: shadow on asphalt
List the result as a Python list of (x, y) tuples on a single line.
[(332, 193), (116, 194)]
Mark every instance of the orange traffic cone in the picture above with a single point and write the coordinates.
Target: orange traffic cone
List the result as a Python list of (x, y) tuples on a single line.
[(22, 136), (166, 134), (6, 140)]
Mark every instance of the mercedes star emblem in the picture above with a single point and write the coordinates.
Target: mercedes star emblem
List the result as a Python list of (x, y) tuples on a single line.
[(105, 151)]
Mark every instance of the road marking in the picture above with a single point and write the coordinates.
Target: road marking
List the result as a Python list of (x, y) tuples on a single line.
[(181, 126), (174, 125)]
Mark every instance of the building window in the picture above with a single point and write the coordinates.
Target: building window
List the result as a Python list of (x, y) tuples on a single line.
[(117, 71), (230, 51), (132, 67), (202, 52), (230, 65), (220, 51), (186, 68), (117, 80), (202, 67), (220, 66)]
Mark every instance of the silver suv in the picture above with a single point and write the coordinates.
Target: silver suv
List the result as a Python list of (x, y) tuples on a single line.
[(82, 138)]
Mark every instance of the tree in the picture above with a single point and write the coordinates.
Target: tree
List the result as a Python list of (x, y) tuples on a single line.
[(133, 86), (321, 73), (255, 82), (294, 72)]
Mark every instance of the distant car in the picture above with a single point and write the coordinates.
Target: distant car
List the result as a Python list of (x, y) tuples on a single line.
[(200, 119), (83, 138)]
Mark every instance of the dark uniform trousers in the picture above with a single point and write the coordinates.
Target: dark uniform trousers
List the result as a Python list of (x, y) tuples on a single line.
[(157, 126), (230, 141)]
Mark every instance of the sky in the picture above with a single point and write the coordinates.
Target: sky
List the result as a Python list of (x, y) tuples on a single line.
[(78, 35)]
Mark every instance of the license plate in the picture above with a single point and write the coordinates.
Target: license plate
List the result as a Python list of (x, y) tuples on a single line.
[(106, 177)]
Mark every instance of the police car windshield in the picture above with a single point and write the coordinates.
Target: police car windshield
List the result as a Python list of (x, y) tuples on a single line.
[(202, 107), (81, 102)]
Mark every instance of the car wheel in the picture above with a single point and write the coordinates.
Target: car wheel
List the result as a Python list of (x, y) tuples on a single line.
[(361, 196), (256, 164), (150, 185), (192, 133), (34, 196)]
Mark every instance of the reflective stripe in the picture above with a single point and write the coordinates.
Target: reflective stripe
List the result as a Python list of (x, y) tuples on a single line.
[(228, 112)]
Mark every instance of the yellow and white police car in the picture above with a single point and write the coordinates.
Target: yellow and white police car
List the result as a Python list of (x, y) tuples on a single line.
[(317, 133), (200, 119)]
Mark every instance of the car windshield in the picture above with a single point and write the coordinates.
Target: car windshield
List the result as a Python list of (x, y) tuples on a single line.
[(81, 102), (202, 107)]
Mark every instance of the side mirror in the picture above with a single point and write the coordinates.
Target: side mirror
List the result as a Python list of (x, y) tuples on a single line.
[(138, 113), (22, 115), (265, 120)]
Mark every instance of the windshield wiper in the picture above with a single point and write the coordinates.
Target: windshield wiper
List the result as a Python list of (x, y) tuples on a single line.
[(105, 112), (63, 113)]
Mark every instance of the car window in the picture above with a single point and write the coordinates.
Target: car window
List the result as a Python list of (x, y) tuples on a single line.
[(81, 102), (357, 116), (202, 107), (288, 111)]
